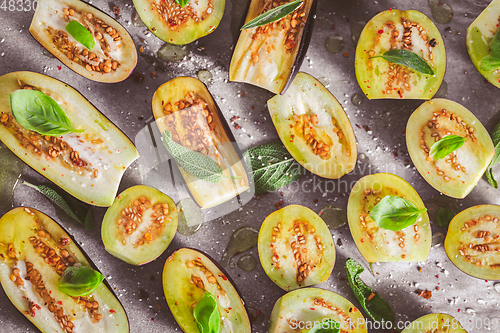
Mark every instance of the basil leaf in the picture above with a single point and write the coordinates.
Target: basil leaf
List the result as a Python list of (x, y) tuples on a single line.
[(492, 61), (273, 15), (491, 179), (81, 34), (38, 112), (272, 167), (197, 164), (445, 146), (495, 137), (75, 209), (326, 326), (407, 58), (182, 3), (79, 281), (373, 304), (395, 213), (444, 217), (206, 314)]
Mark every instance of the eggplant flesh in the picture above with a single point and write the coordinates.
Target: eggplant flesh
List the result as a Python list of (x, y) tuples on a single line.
[(270, 56)]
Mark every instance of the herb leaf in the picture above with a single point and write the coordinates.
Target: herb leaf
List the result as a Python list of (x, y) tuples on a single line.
[(38, 112), (272, 167), (79, 281), (81, 34), (491, 179), (326, 326), (273, 15), (373, 304), (444, 217), (407, 58), (492, 61), (182, 3), (206, 314), (197, 164), (76, 209), (445, 146), (395, 213), (495, 137)]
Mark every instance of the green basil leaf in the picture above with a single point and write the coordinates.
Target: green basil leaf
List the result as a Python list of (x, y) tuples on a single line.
[(206, 314), (373, 304), (273, 15), (444, 217), (326, 326), (38, 112), (81, 34), (495, 137), (79, 281), (445, 146), (407, 58), (395, 213), (272, 167), (182, 3), (491, 179), (492, 61)]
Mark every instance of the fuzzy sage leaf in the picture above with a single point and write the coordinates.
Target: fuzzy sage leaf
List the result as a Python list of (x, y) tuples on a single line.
[(407, 58), (79, 281), (326, 326), (273, 15), (272, 167), (206, 314), (445, 146), (373, 304), (495, 137), (81, 34), (492, 61), (38, 112), (395, 213)]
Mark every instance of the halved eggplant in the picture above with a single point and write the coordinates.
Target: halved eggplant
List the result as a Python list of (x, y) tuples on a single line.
[(34, 253), (314, 128), (269, 56), (185, 107), (88, 165), (114, 55), (180, 25), (139, 225), (188, 274)]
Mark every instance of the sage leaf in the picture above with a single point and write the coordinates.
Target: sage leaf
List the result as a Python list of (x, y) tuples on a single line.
[(326, 326), (445, 146), (79, 281), (182, 3), (197, 164), (395, 213), (444, 217), (407, 58), (206, 314), (273, 15), (373, 304), (81, 34), (38, 112), (75, 209), (272, 167), (495, 137), (492, 61)]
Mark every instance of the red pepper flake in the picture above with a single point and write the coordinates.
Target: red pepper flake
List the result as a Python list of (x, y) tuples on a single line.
[(152, 319), (59, 302), (437, 276), (112, 311), (458, 310), (59, 67), (223, 277), (381, 31), (229, 308), (371, 296), (312, 309), (362, 240)]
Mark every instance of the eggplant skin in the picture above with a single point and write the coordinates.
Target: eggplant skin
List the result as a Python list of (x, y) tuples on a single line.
[(122, 51), (108, 152), (269, 56)]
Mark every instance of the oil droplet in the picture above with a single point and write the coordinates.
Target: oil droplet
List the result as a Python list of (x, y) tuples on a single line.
[(173, 53), (334, 217), (241, 240), (442, 91), (256, 316), (356, 29), (357, 99), (190, 217), (11, 170), (334, 43), (324, 81), (437, 239), (205, 76), (247, 262), (442, 13), (497, 287)]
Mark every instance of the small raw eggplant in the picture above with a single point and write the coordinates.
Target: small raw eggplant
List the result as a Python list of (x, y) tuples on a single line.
[(34, 253), (88, 165), (139, 225), (111, 59), (180, 25), (185, 107), (189, 274), (269, 56), (314, 128)]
